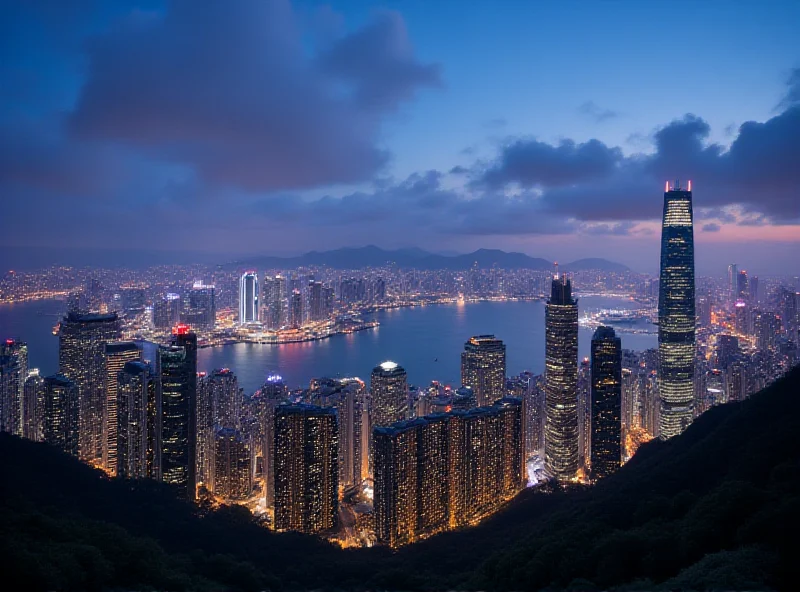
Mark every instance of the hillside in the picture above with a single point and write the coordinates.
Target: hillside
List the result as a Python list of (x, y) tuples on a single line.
[(372, 256), (716, 508)]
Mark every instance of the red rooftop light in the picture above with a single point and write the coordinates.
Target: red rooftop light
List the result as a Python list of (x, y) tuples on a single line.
[(180, 329)]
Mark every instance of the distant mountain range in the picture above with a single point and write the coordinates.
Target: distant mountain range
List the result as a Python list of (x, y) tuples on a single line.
[(372, 256)]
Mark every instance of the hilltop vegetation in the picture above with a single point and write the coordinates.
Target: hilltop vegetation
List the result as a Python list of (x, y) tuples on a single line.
[(717, 508)]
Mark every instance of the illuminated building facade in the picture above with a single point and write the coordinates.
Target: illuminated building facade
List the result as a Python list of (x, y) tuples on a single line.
[(483, 368), (233, 475), (267, 399), (167, 311), (117, 354), (561, 381), (389, 390), (306, 468), (248, 298), (137, 449), (61, 408), (606, 420), (81, 358), (348, 397), (13, 372), (33, 406), (275, 302), (296, 309), (676, 313), (177, 370), (202, 306), (445, 470)]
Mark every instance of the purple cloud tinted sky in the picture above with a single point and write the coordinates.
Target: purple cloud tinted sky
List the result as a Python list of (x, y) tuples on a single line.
[(279, 127)]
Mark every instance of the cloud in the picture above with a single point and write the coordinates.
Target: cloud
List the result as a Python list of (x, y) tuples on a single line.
[(591, 110), (711, 227), (792, 96), (232, 92)]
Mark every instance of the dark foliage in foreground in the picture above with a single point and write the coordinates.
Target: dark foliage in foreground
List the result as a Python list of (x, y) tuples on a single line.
[(717, 508)]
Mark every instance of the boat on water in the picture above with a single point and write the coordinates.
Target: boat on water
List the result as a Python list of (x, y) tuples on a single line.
[(57, 328), (623, 317)]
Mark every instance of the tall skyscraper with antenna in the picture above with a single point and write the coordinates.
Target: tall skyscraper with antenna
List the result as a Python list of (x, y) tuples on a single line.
[(676, 313), (248, 298)]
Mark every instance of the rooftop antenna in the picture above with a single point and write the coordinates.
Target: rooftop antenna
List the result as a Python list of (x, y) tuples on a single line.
[(689, 188), (666, 185), (556, 265), (677, 185)]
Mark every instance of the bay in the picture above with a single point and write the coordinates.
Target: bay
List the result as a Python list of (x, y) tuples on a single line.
[(426, 340)]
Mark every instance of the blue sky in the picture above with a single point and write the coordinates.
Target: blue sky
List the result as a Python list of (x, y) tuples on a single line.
[(279, 127)]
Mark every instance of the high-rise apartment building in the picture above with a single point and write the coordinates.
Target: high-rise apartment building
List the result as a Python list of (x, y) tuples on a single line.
[(445, 470), (483, 368), (81, 358), (733, 279), (60, 420), (275, 301), (33, 406), (117, 354), (177, 370), (233, 474), (296, 309), (676, 313), (201, 310), (348, 397), (389, 391), (606, 421), (561, 381), (306, 468), (266, 401), (316, 310), (13, 372), (137, 446), (248, 298), (167, 311)]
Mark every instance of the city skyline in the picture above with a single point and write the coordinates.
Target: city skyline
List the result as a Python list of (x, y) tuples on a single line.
[(388, 130)]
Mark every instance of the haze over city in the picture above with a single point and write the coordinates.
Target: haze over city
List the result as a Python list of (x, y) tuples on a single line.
[(156, 131)]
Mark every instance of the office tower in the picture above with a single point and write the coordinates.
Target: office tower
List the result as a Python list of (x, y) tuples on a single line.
[(767, 329), (134, 300), (267, 399), (33, 406), (81, 358), (676, 314), (202, 306), (137, 435), (60, 419), (117, 354), (13, 372), (306, 471), (733, 279), (167, 311), (742, 287), (232, 465), (727, 350), (328, 299), (753, 285), (316, 311), (348, 397), (584, 415), (483, 368), (606, 432), (275, 301), (248, 298), (742, 318), (296, 309), (561, 381), (704, 311), (389, 390), (177, 370)]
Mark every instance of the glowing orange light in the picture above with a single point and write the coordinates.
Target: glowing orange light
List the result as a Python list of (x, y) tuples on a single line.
[(180, 329), (666, 185), (690, 185)]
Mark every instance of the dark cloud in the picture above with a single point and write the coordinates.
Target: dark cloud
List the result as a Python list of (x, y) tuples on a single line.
[(792, 96), (591, 181), (711, 227), (532, 163), (230, 90), (591, 110)]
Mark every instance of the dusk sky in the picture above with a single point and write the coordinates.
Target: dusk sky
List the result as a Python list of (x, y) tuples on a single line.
[(276, 127)]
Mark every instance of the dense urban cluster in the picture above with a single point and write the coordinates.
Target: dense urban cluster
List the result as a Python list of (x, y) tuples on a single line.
[(385, 463)]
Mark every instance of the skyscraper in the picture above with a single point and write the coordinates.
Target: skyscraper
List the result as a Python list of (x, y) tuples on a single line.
[(248, 298), (561, 381), (117, 354), (33, 406), (202, 306), (733, 279), (13, 372), (606, 432), (389, 390), (483, 368), (167, 311), (267, 399), (177, 370), (296, 309), (232, 465), (275, 301), (81, 358), (676, 313), (306, 471), (136, 446), (60, 420)]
